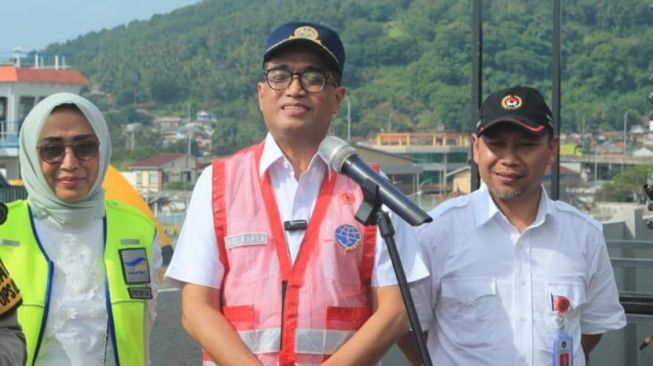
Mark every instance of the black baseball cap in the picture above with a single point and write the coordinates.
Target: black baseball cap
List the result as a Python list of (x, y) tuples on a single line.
[(319, 38), (520, 105)]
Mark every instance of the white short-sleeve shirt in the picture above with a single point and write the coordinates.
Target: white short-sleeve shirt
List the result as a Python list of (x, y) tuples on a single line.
[(489, 298), (196, 259)]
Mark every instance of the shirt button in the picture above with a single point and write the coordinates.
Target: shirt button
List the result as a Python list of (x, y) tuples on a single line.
[(523, 283), (522, 319)]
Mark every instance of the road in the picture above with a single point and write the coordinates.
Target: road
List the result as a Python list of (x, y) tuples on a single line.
[(171, 346)]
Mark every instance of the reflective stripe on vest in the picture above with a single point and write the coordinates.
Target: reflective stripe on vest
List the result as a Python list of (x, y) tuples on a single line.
[(244, 210), (32, 271), (309, 341)]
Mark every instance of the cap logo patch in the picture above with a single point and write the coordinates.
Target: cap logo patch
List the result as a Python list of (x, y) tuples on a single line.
[(307, 32), (511, 102)]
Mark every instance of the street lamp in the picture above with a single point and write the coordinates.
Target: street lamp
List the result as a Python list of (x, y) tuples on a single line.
[(623, 161), (596, 166)]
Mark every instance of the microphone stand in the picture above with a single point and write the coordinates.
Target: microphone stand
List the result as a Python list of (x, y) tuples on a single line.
[(370, 213)]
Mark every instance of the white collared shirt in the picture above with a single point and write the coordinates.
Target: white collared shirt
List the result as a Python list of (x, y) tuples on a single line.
[(489, 298), (196, 259)]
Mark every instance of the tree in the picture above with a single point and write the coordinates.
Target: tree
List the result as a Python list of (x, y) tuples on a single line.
[(626, 186)]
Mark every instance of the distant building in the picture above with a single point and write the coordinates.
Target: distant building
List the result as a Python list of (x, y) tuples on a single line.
[(437, 153), (461, 180), (402, 171), (22, 85), (168, 124), (152, 174), (205, 116), (643, 152)]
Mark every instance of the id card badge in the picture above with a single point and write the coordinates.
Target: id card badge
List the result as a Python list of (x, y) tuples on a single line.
[(563, 349)]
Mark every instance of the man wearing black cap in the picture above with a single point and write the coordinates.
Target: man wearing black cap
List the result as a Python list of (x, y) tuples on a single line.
[(275, 269), (516, 278)]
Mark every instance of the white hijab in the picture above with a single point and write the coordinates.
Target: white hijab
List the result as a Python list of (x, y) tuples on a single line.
[(42, 200)]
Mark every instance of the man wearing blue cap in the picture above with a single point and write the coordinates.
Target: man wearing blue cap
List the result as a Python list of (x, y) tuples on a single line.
[(275, 269), (516, 278)]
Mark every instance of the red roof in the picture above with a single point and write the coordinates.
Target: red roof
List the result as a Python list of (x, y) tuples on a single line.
[(156, 160), (13, 74)]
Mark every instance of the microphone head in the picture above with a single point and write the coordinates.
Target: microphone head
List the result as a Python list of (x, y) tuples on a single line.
[(335, 151)]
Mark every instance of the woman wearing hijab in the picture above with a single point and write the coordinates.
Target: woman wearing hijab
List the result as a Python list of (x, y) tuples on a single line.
[(86, 267)]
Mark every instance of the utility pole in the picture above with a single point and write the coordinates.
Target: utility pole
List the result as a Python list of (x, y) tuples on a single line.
[(477, 81), (555, 103), (348, 120)]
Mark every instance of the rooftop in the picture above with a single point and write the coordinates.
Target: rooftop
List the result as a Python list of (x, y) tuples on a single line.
[(156, 160), (13, 74)]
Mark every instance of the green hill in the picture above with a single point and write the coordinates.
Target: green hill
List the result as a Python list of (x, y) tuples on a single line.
[(408, 61)]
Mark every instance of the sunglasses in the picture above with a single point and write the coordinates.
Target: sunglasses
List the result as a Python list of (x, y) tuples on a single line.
[(54, 152)]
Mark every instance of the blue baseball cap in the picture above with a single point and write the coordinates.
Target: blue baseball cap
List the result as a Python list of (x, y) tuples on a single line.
[(319, 38)]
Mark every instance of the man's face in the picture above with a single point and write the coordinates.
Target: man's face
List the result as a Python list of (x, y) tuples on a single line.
[(512, 162), (293, 114)]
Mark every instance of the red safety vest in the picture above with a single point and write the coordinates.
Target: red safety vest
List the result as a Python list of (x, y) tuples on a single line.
[(290, 314)]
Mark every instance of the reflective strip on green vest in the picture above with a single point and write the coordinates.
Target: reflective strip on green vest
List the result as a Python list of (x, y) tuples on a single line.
[(128, 229), (127, 316), (31, 271)]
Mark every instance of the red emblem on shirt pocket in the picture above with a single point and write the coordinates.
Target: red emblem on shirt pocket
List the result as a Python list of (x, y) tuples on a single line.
[(347, 198)]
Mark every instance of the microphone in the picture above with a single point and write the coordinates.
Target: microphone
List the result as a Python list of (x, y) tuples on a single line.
[(343, 159)]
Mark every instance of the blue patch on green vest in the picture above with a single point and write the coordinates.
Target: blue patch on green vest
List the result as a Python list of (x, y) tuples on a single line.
[(135, 268)]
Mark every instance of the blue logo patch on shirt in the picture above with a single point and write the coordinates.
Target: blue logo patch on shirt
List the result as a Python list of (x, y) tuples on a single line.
[(135, 268), (348, 236)]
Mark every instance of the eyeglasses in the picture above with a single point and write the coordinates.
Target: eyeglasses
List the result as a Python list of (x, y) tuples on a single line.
[(54, 152), (312, 81)]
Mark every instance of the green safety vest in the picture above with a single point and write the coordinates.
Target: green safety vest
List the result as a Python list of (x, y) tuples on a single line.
[(127, 258)]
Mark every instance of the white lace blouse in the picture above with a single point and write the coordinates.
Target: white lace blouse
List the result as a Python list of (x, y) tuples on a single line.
[(76, 332)]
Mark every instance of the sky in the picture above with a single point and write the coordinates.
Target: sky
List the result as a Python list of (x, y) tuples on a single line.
[(34, 24)]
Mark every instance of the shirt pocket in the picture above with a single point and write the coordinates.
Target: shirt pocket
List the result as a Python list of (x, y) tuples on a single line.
[(341, 262), (248, 249), (471, 306), (574, 291)]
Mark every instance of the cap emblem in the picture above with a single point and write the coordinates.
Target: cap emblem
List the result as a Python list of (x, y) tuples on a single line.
[(511, 102), (306, 32)]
